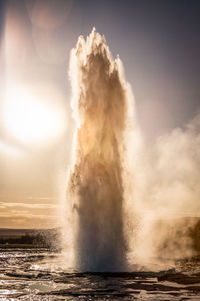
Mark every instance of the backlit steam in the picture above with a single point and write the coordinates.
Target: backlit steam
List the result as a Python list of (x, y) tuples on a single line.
[(124, 199), (168, 189)]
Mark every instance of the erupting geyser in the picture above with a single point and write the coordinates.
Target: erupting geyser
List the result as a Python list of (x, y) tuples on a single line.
[(95, 188)]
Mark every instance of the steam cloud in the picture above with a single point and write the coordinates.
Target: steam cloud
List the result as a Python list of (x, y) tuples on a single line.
[(168, 194), (124, 200)]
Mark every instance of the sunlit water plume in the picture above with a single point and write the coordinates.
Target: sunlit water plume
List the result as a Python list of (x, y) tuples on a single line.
[(95, 194)]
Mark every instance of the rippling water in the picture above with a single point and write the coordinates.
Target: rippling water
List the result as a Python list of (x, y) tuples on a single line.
[(33, 274)]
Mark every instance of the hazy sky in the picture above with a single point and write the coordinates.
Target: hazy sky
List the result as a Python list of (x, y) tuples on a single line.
[(159, 44)]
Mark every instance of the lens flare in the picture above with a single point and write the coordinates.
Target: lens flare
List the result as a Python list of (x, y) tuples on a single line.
[(31, 119)]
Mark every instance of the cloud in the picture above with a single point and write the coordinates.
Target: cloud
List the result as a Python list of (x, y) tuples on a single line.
[(31, 206), (32, 222), (22, 215)]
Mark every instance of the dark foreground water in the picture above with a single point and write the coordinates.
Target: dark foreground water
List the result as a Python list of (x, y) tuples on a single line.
[(33, 274)]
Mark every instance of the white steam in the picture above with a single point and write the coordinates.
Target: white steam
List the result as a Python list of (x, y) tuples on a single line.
[(167, 194), (126, 203)]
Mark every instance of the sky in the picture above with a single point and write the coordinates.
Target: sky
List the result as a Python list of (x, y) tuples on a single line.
[(159, 45)]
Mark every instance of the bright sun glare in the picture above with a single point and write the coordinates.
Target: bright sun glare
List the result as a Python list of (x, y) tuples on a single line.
[(29, 119)]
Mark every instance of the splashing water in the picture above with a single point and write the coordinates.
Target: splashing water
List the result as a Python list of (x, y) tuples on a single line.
[(96, 190)]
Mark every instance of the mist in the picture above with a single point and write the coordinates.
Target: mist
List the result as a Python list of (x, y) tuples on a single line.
[(129, 203), (166, 195)]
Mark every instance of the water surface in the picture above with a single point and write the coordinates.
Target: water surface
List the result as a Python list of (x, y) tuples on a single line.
[(32, 274)]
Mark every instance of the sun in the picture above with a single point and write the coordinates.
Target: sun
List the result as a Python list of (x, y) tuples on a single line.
[(31, 119)]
